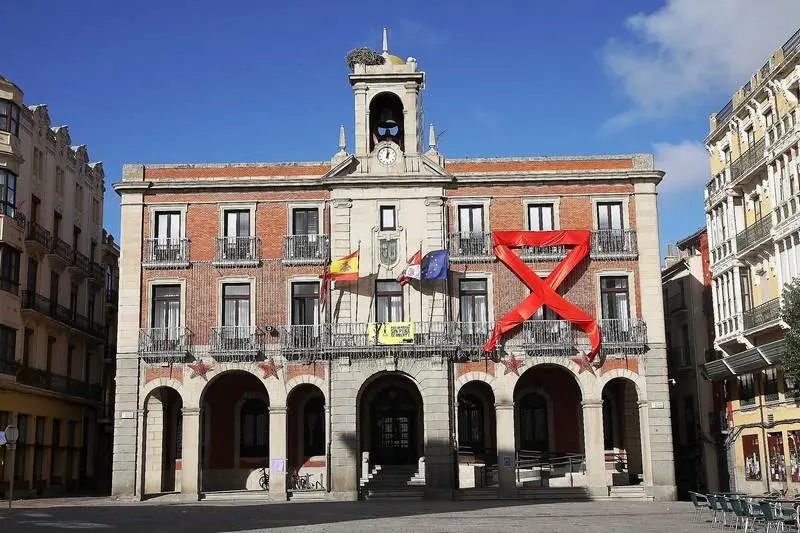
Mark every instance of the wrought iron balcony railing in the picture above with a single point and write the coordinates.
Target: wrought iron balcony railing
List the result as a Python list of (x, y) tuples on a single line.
[(761, 314), (305, 249), (724, 113), (62, 250), (163, 345), (237, 251), (468, 246), (38, 234), (236, 343), (166, 253), (546, 253), (792, 44), (614, 244), (43, 305), (9, 367), (628, 332), (746, 162), (80, 261), (43, 379), (96, 271), (548, 335), (754, 234)]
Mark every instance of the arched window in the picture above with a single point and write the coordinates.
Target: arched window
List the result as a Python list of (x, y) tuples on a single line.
[(254, 420), (471, 424), (535, 434), (314, 427)]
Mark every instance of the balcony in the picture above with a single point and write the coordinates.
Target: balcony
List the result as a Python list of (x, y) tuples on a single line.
[(754, 234), (67, 317), (12, 225), (614, 244), (97, 273), (761, 315), (61, 252), (306, 249), (467, 247), (787, 210), (715, 188), (236, 344), (42, 379), (547, 253), (783, 133), (164, 345), (79, 264), (9, 367), (723, 251), (749, 160), (623, 333), (166, 253), (549, 336), (38, 238), (237, 251)]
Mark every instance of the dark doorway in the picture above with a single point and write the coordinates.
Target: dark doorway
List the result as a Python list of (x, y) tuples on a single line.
[(392, 430)]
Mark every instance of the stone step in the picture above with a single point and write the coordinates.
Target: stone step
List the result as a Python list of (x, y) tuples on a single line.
[(235, 495), (628, 492), (395, 495), (476, 494), (554, 493), (307, 495)]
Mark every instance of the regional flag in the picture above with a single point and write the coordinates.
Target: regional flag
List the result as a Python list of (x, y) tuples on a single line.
[(412, 269)]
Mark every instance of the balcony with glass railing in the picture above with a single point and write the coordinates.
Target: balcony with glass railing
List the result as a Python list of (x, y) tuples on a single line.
[(236, 344), (754, 234), (166, 253), (305, 249), (761, 315), (164, 345), (237, 251)]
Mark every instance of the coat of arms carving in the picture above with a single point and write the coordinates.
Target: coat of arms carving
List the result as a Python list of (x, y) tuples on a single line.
[(388, 250)]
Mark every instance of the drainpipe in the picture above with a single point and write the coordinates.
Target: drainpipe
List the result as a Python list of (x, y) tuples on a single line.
[(764, 427)]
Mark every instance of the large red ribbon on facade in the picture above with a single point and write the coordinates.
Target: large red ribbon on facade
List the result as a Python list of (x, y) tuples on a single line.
[(543, 292)]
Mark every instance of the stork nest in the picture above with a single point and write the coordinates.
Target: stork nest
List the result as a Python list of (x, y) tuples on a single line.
[(365, 56)]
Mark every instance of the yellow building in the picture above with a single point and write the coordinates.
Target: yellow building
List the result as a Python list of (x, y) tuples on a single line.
[(752, 205), (54, 267)]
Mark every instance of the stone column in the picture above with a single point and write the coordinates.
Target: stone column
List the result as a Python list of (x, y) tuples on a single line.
[(190, 454), (277, 453), (153, 445), (345, 453), (644, 432), (594, 447), (506, 450), (438, 445)]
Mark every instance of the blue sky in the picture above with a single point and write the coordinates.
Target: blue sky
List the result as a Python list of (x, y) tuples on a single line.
[(209, 81)]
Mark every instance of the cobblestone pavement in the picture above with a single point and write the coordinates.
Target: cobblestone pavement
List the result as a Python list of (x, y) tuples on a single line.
[(385, 517)]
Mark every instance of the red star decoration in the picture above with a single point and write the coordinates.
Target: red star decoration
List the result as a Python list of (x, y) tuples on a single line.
[(583, 363), (512, 365), (200, 369), (270, 369)]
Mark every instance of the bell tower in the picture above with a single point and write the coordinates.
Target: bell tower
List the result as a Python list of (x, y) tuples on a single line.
[(388, 111)]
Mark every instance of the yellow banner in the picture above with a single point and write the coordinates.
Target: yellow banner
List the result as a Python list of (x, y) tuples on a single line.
[(392, 333)]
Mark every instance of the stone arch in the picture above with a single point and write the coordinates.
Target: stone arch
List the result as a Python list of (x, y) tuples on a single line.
[(498, 391), (307, 426), (157, 383), (622, 428), (637, 380), (161, 436), (308, 379), (476, 422)]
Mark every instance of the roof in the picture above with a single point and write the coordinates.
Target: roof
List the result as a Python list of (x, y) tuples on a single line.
[(687, 241)]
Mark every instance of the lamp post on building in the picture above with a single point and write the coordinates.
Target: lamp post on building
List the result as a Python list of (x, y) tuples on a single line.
[(12, 434)]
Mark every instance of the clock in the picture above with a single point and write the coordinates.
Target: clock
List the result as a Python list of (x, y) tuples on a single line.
[(386, 155)]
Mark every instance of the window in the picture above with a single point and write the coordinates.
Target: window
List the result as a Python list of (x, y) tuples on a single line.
[(771, 384), (388, 218), (473, 301), (9, 117), (70, 359), (90, 309), (540, 217), (237, 223), (51, 346), (166, 312), (8, 343), (609, 215), (305, 302), (726, 155), (254, 429), (769, 118), (470, 218), (78, 197), (56, 225), (747, 297), (236, 307), (237, 245), (9, 269), (95, 211), (59, 180), (750, 135), (747, 390), (71, 446), (38, 162), (167, 244), (27, 343), (388, 301), (314, 427), (73, 298), (38, 450), (22, 447), (87, 366), (685, 355), (9, 192), (55, 445), (92, 251), (614, 297), (305, 221), (689, 421), (471, 435)]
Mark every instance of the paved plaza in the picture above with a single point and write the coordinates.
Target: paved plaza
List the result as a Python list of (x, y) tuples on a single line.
[(384, 517)]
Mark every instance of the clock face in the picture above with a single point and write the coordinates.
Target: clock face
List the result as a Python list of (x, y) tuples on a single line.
[(387, 155)]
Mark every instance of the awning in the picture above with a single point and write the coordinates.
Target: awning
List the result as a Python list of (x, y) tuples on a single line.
[(745, 362)]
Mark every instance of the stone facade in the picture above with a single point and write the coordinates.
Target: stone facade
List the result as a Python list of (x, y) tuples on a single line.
[(214, 391)]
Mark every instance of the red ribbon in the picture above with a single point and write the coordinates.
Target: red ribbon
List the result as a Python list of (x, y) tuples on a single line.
[(543, 292)]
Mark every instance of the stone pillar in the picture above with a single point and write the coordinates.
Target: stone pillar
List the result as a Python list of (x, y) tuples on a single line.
[(341, 304), (126, 399), (153, 445), (593, 447), (190, 454), (434, 305), (345, 452), (506, 450), (277, 453), (644, 423), (438, 449)]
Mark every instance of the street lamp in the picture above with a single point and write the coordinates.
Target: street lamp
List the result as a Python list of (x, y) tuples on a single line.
[(12, 434)]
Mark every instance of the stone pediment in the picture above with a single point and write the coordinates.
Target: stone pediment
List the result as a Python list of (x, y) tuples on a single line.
[(411, 168)]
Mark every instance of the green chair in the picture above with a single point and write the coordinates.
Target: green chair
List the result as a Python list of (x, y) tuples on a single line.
[(700, 503), (714, 507), (771, 516), (739, 511)]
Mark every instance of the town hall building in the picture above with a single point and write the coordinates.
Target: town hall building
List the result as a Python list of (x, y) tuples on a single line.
[(234, 372)]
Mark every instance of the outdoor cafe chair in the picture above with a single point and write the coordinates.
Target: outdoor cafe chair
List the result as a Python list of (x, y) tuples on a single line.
[(771, 515), (700, 503)]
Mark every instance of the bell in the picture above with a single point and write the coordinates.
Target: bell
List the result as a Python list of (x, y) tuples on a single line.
[(386, 119)]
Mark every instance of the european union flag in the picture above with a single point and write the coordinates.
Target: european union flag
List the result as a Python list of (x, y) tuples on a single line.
[(434, 265)]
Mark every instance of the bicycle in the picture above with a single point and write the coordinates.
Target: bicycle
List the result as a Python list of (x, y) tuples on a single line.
[(264, 480)]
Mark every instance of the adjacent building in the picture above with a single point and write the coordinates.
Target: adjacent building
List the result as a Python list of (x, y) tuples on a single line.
[(53, 314), (233, 373), (753, 217), (700, 454)]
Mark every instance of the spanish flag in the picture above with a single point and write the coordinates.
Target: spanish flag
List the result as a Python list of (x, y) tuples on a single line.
[(344, 269)]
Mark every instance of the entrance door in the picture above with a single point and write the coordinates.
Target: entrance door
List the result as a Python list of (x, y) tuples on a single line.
[(535, 435), (394, 419)]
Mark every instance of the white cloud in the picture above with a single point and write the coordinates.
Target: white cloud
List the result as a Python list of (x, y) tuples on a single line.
[(692, 48), (685, 164)]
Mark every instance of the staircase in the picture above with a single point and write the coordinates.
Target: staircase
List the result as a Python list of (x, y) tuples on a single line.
[(393, 482), (629, 492)]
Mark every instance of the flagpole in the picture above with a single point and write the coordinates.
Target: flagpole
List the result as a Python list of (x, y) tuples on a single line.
[(421, 312), (358, 279)]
